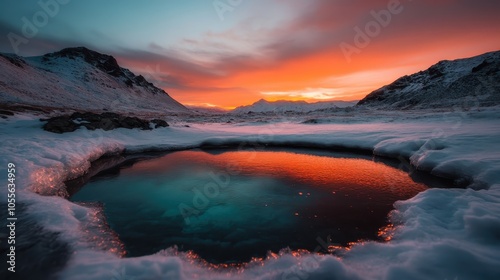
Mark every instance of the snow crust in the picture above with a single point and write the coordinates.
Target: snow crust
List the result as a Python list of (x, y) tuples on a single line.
[(439, 234)]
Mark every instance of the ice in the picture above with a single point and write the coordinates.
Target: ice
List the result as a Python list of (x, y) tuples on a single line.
[(439, 234)]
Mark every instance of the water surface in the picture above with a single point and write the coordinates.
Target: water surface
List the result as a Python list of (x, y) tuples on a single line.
[(230, 206)]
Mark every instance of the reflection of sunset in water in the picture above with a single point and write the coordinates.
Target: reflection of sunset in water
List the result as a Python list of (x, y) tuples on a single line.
[(232, 206), (322, 170)]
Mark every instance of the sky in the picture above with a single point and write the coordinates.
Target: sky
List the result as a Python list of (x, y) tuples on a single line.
[(228, 53)]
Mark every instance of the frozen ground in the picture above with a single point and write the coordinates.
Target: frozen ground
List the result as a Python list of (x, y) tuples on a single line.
[(439, 234)]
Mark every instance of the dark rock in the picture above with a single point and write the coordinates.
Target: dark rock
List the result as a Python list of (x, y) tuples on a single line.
[(494, 70), (311, 121), (481, 66), (434, 72), (134, 122), (129, 83), (14, 59), (104, 121), (159, 123), (60, 125), (105, 63), (377, 95), (140, 80), (90, 126), (110, 115), (108, 124), (89, 117), (6, 113)]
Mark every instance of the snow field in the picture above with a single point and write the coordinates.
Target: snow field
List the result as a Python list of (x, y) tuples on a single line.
[(439, 234)]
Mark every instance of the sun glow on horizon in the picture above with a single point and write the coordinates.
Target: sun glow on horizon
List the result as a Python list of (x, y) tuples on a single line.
[(266, 49), (307, 94)]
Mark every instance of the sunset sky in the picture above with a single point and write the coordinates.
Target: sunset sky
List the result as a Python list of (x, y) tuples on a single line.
[(234, 52)]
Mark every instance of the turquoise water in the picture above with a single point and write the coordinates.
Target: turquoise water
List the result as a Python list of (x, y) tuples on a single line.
[(230, 206)]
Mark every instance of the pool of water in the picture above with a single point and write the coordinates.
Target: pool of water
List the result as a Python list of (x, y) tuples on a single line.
[(230, 206)]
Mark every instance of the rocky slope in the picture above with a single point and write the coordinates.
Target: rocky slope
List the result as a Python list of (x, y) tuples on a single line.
[(80, 79), (470, 82)]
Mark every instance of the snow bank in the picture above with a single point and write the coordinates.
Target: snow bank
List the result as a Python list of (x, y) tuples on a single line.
[(439, 234)]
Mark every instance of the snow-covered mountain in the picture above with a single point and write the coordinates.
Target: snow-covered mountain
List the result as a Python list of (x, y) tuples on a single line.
[(207, 110), (469, 82), (81, 79), (281, 106)]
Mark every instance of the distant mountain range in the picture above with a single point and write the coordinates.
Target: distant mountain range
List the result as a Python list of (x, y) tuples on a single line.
[(470, 82), (208, 110), (81, 79), (281, 106)]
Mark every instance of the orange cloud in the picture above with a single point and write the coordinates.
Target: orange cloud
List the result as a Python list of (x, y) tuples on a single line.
[(302, 59)]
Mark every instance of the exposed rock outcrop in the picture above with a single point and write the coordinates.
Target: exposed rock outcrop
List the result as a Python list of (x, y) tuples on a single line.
[(105, 121)]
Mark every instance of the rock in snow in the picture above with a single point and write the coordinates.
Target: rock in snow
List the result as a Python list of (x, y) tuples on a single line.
[(105, 121)]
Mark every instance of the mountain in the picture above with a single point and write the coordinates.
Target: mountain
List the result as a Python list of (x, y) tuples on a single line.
[(208, 110), (81, 79), (464, 83), (281, 106)]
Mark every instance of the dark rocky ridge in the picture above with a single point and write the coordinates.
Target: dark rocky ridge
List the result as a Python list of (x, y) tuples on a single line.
[(473, 81), (14, 59), (5, 114), (93, 121), (105, 63)]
